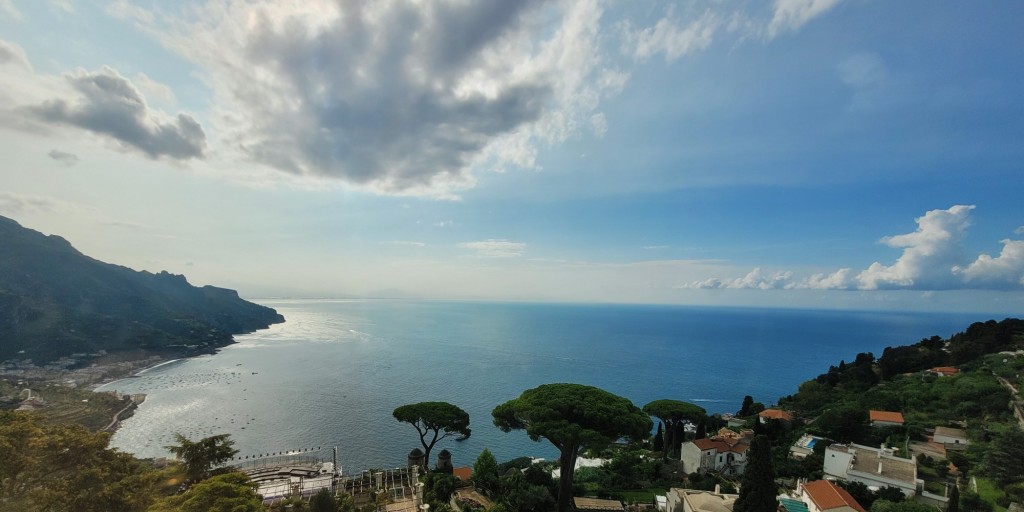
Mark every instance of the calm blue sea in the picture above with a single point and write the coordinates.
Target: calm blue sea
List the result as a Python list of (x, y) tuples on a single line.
[(332, 374)]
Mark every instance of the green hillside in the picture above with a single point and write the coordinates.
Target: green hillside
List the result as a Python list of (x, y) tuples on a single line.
[(55, 301)]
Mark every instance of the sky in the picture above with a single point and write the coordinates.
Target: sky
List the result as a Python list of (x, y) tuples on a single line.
[(840, 154)]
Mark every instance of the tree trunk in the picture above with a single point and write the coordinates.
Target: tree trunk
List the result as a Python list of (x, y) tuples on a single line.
[(671, 432), (567, 463)]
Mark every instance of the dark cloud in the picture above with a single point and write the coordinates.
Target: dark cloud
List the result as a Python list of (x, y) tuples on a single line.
[(383, 107), (110, 105), (63, 157), (397, 96)]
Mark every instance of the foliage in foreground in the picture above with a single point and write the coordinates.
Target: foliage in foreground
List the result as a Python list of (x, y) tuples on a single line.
[(68, 468)]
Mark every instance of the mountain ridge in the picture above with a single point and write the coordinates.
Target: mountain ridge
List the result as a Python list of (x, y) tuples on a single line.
[(56, 301)]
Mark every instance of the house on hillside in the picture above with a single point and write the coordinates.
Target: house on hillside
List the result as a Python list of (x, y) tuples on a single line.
[(775, 414), (885, 418), (951, 436), (873, 467), (689, 500), (944, 371), (726, 455), (825, 496)]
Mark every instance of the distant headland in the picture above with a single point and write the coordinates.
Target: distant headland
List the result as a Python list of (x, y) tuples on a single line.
[(56, 302)]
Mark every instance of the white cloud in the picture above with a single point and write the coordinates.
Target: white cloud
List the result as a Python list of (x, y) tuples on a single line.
[(754, 280), (933, 258), (929, 254), (108, 104), (1003, 271), (495, 248), (393, 96), (12, 53), (1019, 230), (793, 14), (64, 5), (672, 37), (12, 204), (7, 7), (406, 243), (152, 89), (841, 279)]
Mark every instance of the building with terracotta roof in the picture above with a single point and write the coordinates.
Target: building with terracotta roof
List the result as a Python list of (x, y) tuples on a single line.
[(885, 418), (727, 455), (465, 473), (775, 414), (825, 496), (689, 500), (945, 371), (873, 467)]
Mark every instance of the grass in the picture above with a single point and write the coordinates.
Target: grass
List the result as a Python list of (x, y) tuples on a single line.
[(988, 491)]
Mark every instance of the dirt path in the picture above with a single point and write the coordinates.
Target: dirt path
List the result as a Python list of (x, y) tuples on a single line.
[(117, 415), (1015, 402)]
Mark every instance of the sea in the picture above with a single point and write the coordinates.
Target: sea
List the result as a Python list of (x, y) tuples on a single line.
[(332, 374)]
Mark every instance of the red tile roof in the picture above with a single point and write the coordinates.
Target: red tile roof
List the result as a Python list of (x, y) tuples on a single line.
[(464, 473), (888, 416), (720, 446), (827, 495), (710, 444), (776, 414), (945, 370)]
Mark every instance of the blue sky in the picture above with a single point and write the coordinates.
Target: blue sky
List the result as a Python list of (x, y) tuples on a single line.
[(798, 153)]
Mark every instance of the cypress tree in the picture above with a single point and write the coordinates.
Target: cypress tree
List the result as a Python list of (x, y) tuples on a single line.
[(745, 408), (659, 439), (758, 490), (702, 430)]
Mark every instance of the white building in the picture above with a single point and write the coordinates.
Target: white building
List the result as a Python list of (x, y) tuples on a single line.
[(947, 436), (689, 500), (703, 455), (873, 467)]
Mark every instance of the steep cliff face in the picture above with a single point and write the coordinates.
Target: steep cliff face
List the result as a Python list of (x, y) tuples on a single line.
[(55, 301)]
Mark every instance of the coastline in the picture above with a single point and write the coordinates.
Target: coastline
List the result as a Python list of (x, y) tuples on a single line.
[(134, 373)]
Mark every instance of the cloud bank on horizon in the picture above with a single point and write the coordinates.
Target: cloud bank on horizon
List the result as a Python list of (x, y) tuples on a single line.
[(933, 258)]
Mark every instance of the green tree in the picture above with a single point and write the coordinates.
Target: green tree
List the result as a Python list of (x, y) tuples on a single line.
[(66, 467), (518, 494), (229, 492), (485, 472), (673, 414), (745, 408), (436, 420), (659, 439), (758, 490), (323, 501), (438, 489), (1005, 458), (572, 417), (199, 457)]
